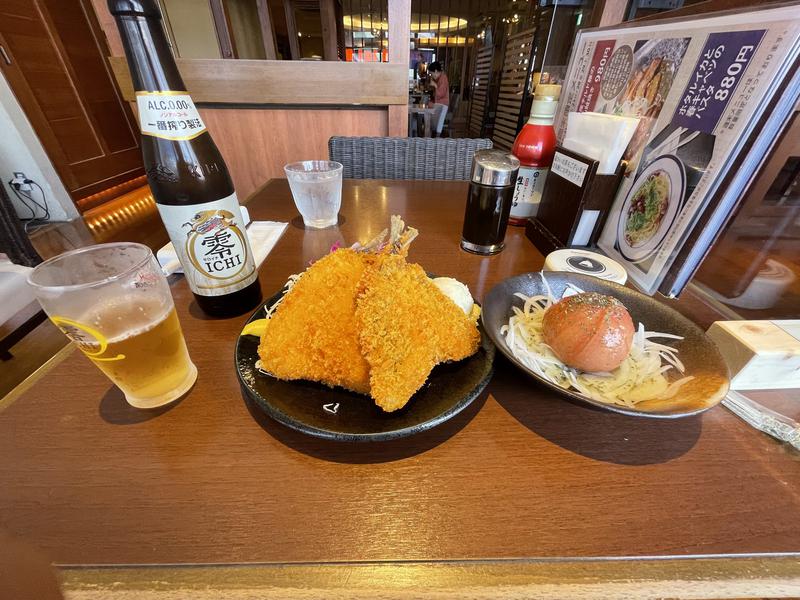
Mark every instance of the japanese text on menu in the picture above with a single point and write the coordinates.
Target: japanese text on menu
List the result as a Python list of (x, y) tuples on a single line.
[(721, 66)]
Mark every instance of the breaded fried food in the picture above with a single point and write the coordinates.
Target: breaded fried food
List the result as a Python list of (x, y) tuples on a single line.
[(312, 334), (406, 326)]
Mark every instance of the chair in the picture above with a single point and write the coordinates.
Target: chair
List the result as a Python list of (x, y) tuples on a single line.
[(405, 158), (19, 310), (452, 110), (14, 240)]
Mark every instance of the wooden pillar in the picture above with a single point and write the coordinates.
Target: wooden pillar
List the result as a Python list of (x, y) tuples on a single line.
[(465, 55), (327, 12), (109, 27), (608, 12), (291, 30), (399, 30), (339, 16), (267, 32), (227, 45)]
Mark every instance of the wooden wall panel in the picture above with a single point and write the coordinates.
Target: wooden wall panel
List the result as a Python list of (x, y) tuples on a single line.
[(256, 143), (56, 68), (284, 81)]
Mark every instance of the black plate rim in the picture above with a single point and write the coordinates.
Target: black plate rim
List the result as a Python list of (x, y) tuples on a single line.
[(500, 344), (487, 343)]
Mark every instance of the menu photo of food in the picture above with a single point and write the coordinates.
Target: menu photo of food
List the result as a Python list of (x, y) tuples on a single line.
[(649, 209), (641, 79), (670, 168)]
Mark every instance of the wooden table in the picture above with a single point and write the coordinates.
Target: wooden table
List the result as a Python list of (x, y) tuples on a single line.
[(524, 490)]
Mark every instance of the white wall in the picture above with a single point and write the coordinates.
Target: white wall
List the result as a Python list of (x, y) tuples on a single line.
[(20, 150), (192, 27)]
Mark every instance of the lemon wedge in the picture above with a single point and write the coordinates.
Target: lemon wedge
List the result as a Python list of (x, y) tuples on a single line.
[(256, 328)]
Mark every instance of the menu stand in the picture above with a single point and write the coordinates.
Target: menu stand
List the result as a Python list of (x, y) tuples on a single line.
[(575, 202)]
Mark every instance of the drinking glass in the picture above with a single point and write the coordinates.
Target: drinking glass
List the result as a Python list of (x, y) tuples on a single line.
[(113, 302), (317, 190)]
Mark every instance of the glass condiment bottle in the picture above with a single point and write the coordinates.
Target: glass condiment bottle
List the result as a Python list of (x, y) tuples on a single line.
[(534, 147), (491, 189)]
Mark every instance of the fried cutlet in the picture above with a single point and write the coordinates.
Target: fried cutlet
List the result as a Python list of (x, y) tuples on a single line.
[(312, 334), (406, 326)]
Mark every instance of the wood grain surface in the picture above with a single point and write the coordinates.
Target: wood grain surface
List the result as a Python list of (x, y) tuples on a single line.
[(521, 474), (257, 142), (244, 81), (57, 72), (696, 578)]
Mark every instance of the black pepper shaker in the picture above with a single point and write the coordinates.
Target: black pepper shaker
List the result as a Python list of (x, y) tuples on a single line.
[(491, 193)]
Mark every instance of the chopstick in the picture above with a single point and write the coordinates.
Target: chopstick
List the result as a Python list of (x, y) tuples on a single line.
[(665, 144), (687, 140), (762, 418)]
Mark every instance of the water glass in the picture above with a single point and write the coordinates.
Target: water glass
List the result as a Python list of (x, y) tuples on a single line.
[(113, 302), (317, 190)]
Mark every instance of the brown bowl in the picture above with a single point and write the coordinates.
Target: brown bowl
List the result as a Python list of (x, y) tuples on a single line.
[(696, 350)]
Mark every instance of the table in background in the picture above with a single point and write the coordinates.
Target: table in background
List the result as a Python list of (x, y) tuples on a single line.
[(522, 489), (428, 116)]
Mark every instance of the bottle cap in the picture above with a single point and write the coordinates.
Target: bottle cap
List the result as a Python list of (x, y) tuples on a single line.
[(587, 263), (545, 101), (547, 90), (494, 167)]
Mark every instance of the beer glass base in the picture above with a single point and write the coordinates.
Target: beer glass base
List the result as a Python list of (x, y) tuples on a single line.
[(321, 223), (170, 396), (478, 249)]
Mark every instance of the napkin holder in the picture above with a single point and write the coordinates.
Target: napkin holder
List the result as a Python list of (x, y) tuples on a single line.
[(575, 202)]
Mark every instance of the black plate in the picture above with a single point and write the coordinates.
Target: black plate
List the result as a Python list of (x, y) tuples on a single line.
[(696, 350), (338, 414)]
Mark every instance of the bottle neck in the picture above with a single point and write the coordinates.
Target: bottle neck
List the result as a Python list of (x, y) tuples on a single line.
[(543, 112), (150, 59), (540, 120)]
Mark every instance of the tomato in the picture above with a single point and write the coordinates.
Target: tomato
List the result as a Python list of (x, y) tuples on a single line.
[(589, 331)]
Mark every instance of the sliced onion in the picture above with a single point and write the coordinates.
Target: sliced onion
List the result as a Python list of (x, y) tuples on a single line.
[(644, 367)]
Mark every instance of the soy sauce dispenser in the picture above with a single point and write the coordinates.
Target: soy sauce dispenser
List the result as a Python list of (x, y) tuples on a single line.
[(489, 199)]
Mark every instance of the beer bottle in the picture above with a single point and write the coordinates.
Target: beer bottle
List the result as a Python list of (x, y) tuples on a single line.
[(190, 182)]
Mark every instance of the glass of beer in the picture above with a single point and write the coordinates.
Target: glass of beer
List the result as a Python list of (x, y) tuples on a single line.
[(114, 303)]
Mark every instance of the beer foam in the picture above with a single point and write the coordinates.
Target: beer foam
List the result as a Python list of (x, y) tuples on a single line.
[(123, 317)]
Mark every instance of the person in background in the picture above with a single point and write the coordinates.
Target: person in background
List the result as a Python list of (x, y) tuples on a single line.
[(441, 95)]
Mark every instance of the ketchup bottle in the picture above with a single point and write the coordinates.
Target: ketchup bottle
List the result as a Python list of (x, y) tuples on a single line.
[(534, 147)]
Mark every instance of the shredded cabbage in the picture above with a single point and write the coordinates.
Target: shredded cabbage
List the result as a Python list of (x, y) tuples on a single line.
[(270, 310), (640, 377)]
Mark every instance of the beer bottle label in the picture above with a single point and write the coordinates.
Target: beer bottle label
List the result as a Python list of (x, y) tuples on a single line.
[(528, 191), (169, 115), (211, 243)]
